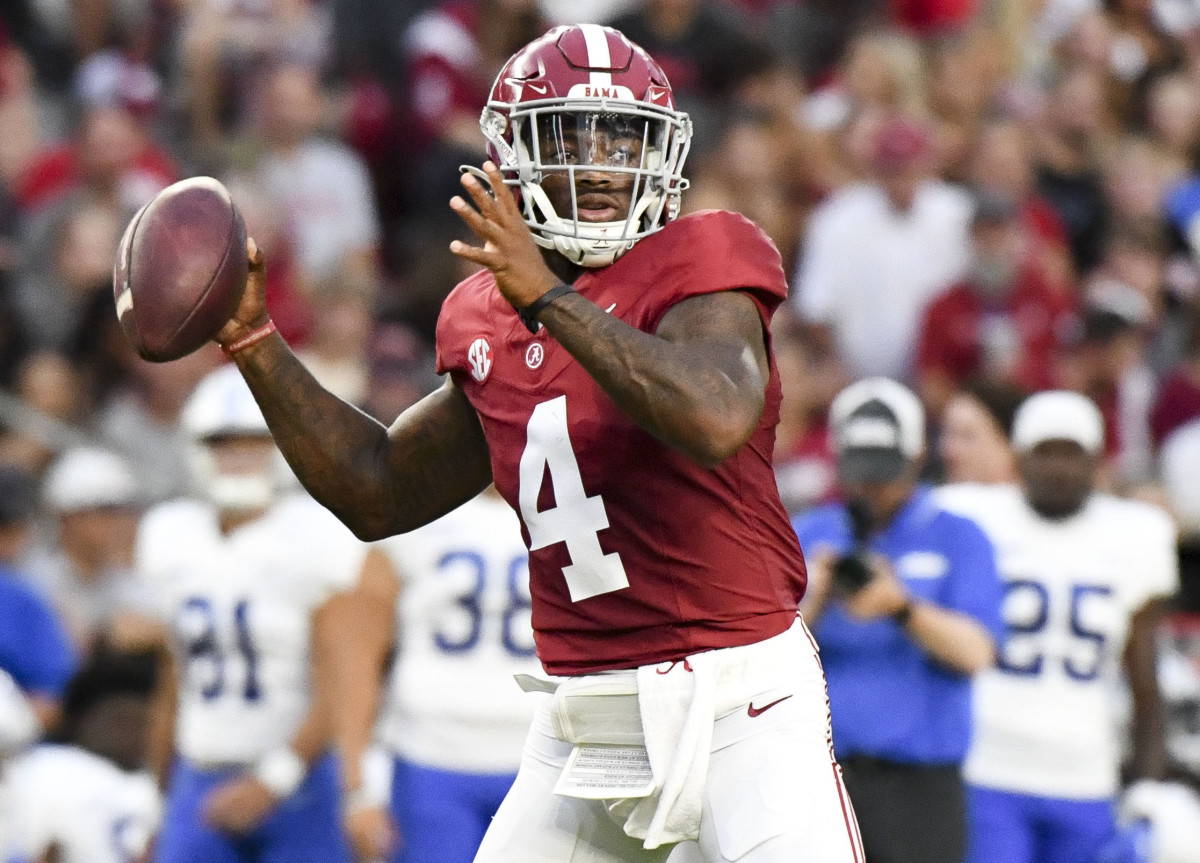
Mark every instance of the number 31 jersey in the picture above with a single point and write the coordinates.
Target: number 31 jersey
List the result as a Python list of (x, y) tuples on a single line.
[(1045, 721), (239, 607), (637, 554)]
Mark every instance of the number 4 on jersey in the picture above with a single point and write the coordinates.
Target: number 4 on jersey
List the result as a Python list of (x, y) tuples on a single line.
[(575, 518)]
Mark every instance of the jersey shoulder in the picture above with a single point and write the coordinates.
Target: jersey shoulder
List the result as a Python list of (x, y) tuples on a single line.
[(1132, 518), (980, 501), (314, 541), (485, 523), (470, 311), (715, 250), (172, 530)]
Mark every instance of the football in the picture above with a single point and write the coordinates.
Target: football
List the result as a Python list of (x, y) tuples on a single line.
[(181, 269)]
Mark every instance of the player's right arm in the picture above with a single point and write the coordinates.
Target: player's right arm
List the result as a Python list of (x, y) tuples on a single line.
[(379, 481)]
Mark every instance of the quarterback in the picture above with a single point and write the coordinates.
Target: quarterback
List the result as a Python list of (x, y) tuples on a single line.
[(610, 370)]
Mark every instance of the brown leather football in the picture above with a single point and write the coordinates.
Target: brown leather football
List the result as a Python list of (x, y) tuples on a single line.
[(181, 269)]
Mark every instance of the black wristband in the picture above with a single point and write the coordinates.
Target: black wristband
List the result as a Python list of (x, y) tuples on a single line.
[(529, 314), (903, 614)]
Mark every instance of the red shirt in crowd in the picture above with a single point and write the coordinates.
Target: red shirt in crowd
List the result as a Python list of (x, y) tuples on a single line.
[(933, 16), (1177, 402), (1016, 338)]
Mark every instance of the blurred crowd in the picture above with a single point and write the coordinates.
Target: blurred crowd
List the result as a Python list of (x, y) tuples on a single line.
[(979, 198)]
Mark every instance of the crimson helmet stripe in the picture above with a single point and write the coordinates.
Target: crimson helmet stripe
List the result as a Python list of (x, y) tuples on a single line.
[(599, 56)]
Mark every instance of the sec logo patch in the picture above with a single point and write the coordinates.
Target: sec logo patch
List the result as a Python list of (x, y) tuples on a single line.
[(534, 355), (479, 355)]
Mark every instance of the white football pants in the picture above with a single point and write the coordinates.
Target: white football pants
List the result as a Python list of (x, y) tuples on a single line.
[(773, 793)]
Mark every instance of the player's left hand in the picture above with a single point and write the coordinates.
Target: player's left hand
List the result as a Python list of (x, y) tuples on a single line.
[(508, 248), (238, 806), (883, 595)]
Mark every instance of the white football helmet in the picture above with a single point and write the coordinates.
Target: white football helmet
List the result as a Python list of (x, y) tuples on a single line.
[(222, 407), (581, 97)]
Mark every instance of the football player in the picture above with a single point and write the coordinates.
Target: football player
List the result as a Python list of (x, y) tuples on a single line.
[(609, 369), (1085, 576), (452, 600), (243, 577), (90, 799)]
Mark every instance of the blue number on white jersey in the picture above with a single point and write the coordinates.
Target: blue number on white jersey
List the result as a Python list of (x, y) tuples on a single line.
[(1028, 610), (199, 627), (466, 636)]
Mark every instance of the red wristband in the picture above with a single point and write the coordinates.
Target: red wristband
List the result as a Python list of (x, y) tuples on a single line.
[(251, 338)]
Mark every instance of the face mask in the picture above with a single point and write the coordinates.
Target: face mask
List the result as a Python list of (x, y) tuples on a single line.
[(241, 492)]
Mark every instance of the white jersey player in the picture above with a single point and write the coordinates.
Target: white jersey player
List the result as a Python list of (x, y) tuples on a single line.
[(1084, 575), (80, 807), (242, 579), (453, 719), (89, 799)]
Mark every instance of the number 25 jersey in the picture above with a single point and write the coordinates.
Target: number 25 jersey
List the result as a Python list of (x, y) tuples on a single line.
[(1045, 721), (638, 554)]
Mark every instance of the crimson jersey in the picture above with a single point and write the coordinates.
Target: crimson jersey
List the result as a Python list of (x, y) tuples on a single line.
[(637, 554)]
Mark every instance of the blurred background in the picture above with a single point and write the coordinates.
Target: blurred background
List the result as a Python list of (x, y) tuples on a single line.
[(1048, 152)]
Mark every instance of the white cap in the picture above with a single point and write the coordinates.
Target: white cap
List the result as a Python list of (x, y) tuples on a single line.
[(89, 478), (1179, 465), (1058, 415), (878, 429), (222, 404)]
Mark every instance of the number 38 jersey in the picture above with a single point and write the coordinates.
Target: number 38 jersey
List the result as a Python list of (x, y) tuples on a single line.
[(239, 607), (462, 633), (1045, 723), (637, 554)]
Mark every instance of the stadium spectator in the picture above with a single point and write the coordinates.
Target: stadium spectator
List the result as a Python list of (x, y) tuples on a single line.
[(451, 723), (321, 186), (905, 603), (804, 463), (973, 433), (1107, 362), (89, 796), (1178, 398), (1002, 164), (85, 563), (1003, 322), (111, 158), (452, 52), (1086, 577), (36, 657), (877, 252), (50, 402), (707, 53), (400, 370), (1067, 144), (53, 297), (242, 576), (224, 48), (336, 349), (140, 420)]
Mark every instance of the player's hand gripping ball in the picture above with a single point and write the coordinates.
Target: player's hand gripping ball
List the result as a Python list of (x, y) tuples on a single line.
[(181, 269)]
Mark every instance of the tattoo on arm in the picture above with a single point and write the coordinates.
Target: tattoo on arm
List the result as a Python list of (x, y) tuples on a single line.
[(378, 481), (698, 384)]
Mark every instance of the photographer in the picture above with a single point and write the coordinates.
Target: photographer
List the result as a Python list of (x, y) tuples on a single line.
[(904, 600)]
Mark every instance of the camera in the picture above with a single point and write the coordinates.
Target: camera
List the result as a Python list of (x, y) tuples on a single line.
[(852, 571)]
